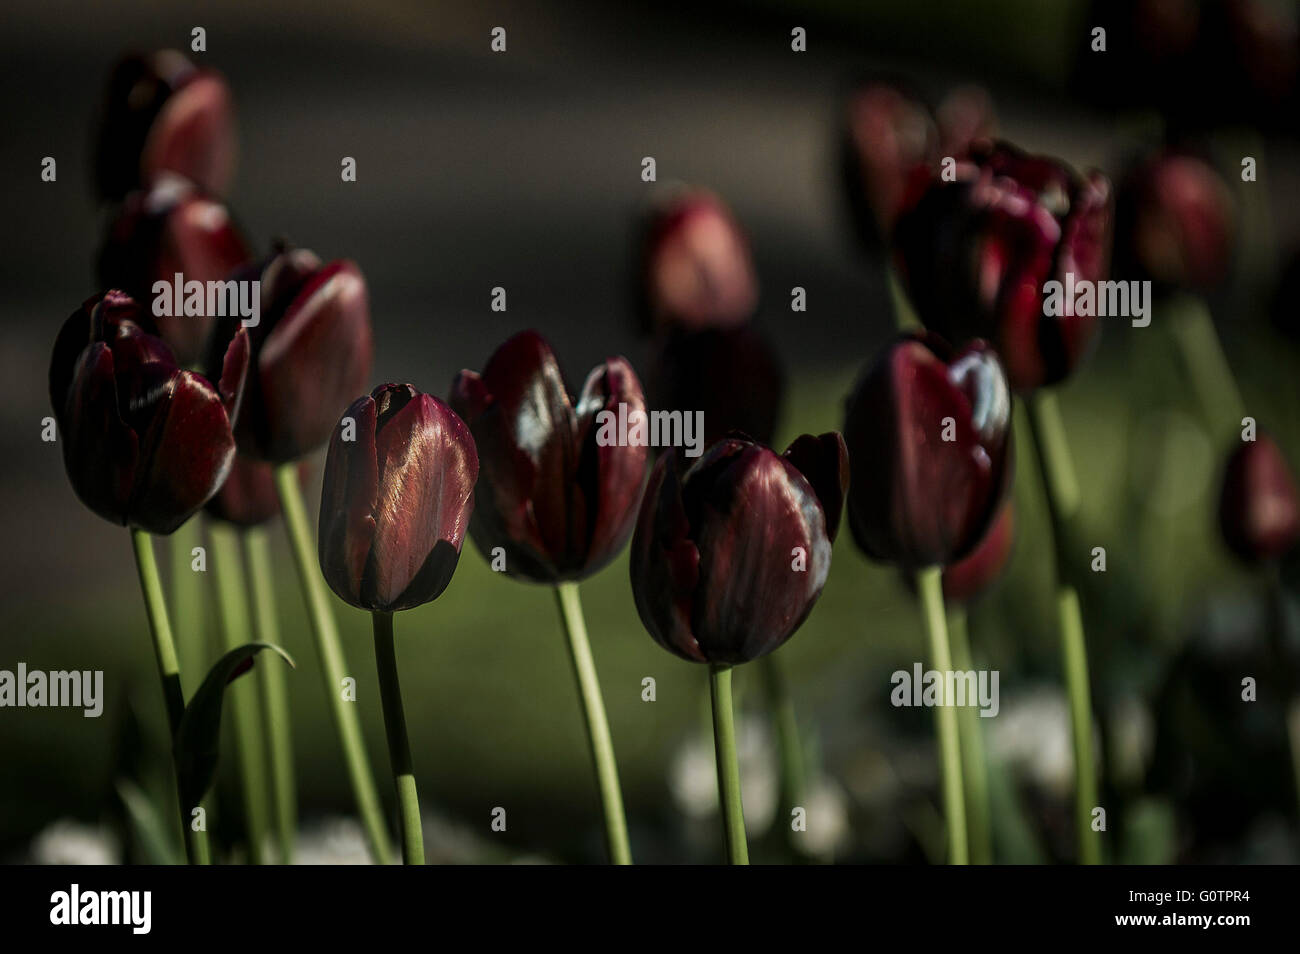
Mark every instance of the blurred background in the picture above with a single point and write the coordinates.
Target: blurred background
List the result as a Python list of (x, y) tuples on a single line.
[(523, 170)]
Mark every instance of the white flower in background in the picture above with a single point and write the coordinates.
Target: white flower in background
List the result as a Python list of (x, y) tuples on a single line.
[(332, 841), (67, 842), (693, 775), (1032, 735), (826, 807)]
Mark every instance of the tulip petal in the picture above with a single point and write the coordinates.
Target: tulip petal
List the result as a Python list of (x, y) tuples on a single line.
[(824, 463), (665, 564), (99, 450), (349, 496)]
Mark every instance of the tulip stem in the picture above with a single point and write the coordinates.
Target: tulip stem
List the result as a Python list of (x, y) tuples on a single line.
[(330, 652), (399, 746), (187, 596), (724, 749), (1207, 367), (275, 694), (1061, 487), (593, 712), (929, 584), (971, 735), (789, 748), (232, 601), (197, 851)]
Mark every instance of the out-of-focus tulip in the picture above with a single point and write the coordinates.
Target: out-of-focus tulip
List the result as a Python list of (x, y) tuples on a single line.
[(397, 500), (145, 444), (172, 228), (558, 503), (731, 375), (976, 253), (248, 498), (974, 573), (312, 350), (163, 114), (731, 553), (696, 267), (1174, 222), (1259, 510), (929, 434)]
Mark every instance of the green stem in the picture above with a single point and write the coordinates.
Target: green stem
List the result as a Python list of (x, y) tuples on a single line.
[(187, 596), (788, 745), (330, 652), (929, 585), (904, 314), (1208, 371), (275, 694), (196, 842), (972, 748), (1062, 490), (232, 601), (593, 712), (399, 746), (724, 748)]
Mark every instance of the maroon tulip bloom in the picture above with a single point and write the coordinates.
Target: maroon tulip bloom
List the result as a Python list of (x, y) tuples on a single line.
[(312, 350), (930, 438), (1259, 510), (1175, 222), (976, 253), (163, 114), (731, 553), (172, 228), (249, 498), (697, 270), (396, 500), (557, 502), (145, 444), (973, 574)]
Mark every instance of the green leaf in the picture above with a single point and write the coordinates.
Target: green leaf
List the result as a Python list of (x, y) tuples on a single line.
[(200, 729), (154, 839)]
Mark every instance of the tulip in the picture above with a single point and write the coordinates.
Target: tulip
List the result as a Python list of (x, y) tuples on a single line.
[(729, 558), (146, 444), (312, 350), (696, 268), (396, 501), (248, 497), (1175, 222), (163, 114), (557, 504), (554, 505), (168, 229), (395, 506), (974, 573), (931, 436), (975, 254), (1259, 510)]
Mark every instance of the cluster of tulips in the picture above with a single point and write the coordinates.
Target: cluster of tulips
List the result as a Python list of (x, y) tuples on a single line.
[(162, 418)]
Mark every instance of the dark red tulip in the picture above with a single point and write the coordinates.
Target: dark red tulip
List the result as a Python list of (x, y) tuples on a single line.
[(312, 350), (916, 498), (248, 498), (1259, 511), (731, 553), (696, 268), (172, 228), (145, 443), (1175, 222), (396, 501), (163, 114), (731, 375), (974, 573), (558, 503), (976, 253)]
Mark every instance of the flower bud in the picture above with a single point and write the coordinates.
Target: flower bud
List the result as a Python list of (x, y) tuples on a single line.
[(168, 230), (974, 573), (312, 349), (145, 444), (396, 501), (976, 253), (731, 553), (163, 114), (559, 503), (930, 439), (1259, 512)]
